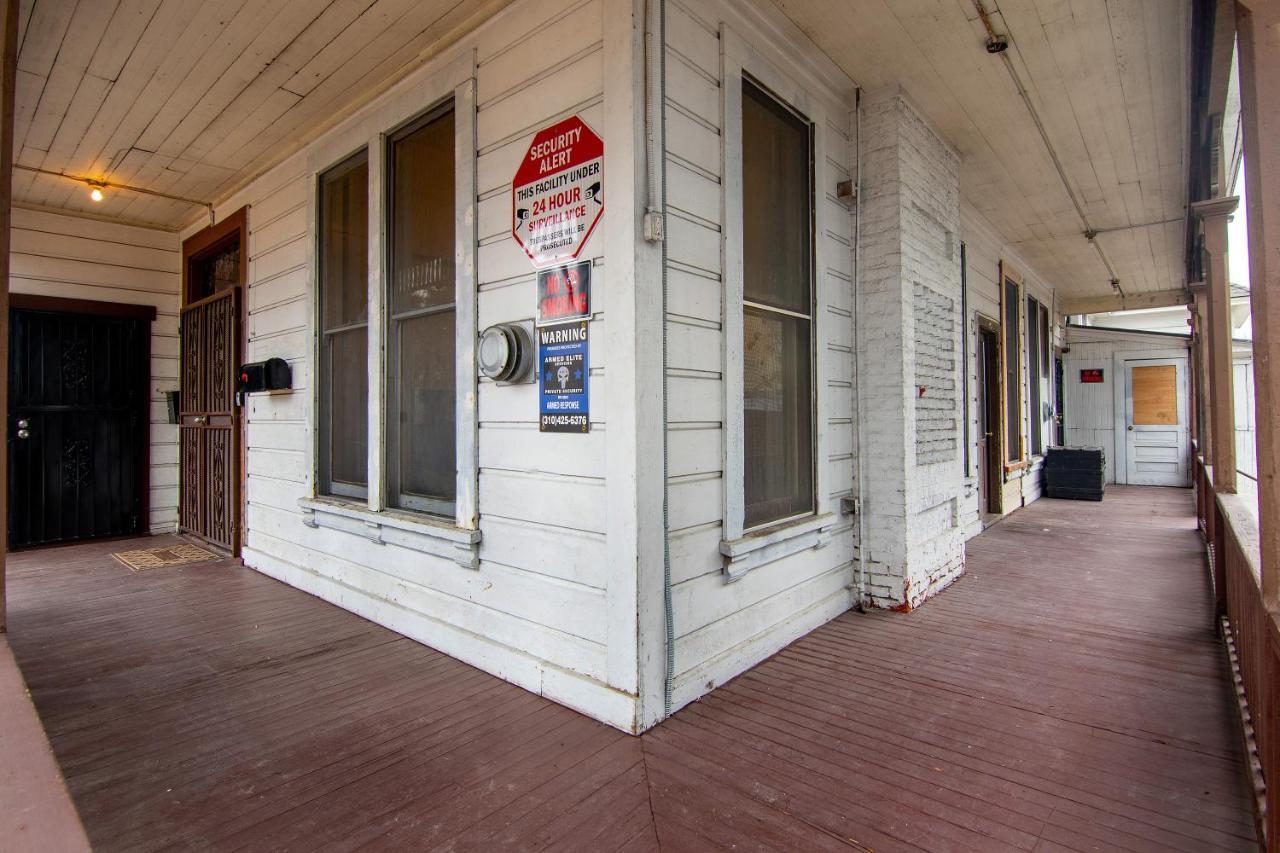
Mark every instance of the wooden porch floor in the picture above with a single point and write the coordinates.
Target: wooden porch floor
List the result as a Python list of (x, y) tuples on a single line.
[(1067, 694)]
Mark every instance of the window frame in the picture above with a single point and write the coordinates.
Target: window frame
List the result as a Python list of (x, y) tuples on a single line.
[(325, 484), (740, 61), (370, 129), (1009, 274), (405, 502), (1035, 376)]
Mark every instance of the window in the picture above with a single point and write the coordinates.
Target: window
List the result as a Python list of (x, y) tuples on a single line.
[(777, 310), (1011, 312), (1035, 373), (421, 317), (343, 217)]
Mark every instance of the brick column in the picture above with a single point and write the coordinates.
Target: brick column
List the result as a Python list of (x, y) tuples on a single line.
[(909, 353), (1214, 213), (1258, 33)]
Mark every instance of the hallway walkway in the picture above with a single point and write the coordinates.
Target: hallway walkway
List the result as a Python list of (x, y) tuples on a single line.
[(1068, 693)]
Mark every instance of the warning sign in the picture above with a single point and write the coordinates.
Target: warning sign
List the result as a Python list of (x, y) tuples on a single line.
[(563, 368), (557, 194), (564, 293)]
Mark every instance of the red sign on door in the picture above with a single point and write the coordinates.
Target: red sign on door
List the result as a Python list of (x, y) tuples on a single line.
[(1093, 374), (557, 195)]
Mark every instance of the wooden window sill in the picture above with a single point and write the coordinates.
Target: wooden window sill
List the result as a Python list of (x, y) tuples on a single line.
[(416, 532), (770, 544)]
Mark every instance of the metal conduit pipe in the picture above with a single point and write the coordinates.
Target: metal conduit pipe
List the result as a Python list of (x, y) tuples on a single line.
[(654, 231), (998, 45), (857, 346)]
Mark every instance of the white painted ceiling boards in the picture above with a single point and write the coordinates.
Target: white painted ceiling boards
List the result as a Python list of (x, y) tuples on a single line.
[(193, 97)]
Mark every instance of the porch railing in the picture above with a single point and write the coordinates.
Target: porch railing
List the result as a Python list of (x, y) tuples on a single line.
[(1252, 635)]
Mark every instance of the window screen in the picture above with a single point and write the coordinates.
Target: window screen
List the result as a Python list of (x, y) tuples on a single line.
[(421, 448), (344, 328), (1012, 371), (777, 224)]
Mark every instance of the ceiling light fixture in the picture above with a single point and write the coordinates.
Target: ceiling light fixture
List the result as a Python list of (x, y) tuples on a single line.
[(95, 190)]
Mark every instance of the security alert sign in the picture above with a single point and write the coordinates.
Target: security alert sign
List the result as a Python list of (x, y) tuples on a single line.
[(556, 196)]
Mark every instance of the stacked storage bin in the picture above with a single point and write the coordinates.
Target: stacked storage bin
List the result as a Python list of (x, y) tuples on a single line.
[(1076, 473)]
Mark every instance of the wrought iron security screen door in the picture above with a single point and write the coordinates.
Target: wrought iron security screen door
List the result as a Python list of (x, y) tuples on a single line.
[(78, 387), (209, 422)]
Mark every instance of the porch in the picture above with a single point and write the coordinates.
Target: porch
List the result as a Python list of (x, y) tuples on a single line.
[(1069, 693)]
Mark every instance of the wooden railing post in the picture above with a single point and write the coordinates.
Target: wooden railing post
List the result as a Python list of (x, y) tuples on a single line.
[(1258, 34), (8, 76), (1214, 213)]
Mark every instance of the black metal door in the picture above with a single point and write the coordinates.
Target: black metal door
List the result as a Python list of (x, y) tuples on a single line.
[(77, 426)]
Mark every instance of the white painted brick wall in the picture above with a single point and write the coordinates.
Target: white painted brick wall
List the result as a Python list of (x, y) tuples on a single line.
[(911, 220)]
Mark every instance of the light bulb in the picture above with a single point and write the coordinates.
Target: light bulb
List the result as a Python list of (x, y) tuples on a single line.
[(96, 194)]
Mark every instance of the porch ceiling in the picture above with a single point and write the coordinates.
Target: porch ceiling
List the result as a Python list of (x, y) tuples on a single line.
[(191, 98), (1109, 80)]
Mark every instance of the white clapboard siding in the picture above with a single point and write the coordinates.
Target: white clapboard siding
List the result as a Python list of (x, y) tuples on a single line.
[(535, 610), (720, 627), (76, 258)]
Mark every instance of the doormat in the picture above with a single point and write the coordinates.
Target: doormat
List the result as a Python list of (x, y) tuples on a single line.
[(163, 558)]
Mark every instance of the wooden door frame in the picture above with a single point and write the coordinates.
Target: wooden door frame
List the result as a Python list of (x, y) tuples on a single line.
[(194, 249), (995, 464), (146, 313), (1119, 402)]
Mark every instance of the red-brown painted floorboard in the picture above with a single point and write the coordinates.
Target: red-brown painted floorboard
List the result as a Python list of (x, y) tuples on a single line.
[(1067, 694)]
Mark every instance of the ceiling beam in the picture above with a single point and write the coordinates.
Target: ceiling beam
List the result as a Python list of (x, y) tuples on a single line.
[(1116, 302)]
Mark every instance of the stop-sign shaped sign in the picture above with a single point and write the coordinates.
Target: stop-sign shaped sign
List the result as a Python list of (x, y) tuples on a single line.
[(557, 194)]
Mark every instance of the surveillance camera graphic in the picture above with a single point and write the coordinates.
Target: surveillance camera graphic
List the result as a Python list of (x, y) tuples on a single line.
[(522, 217), (593, 193)]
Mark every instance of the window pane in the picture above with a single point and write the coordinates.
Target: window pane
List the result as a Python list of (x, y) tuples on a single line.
[(345, 424), (421, 381), (426, 418), (778, 469), (776, 193), (344, 283), (344, 243), (422, 218), (1012, 374)]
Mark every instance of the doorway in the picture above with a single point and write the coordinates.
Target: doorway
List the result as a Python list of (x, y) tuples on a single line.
[(990, 462), (79, 381), (209, 421), (1155, 406)]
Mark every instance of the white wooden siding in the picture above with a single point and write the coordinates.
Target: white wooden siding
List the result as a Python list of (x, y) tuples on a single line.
[(77, 258), (722, 628), (1090, 416), (535, 611)]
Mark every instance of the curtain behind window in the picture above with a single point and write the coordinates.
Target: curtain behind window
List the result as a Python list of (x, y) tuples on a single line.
[(777, 211)]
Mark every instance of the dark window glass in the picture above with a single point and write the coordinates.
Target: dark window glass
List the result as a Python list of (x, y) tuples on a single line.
[(777, 208), (421, 450), (344, 288), (1012, 372), (1035, 370)]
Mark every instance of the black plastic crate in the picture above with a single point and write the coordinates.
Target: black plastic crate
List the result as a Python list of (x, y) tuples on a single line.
[(1075, 473)]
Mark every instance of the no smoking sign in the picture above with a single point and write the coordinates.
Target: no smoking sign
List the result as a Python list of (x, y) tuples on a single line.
[(557, 195)]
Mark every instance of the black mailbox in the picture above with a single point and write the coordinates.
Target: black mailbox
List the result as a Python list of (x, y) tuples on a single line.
[(270, 375)]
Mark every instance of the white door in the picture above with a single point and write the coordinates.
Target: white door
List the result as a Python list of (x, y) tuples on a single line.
[(1156, 422)]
